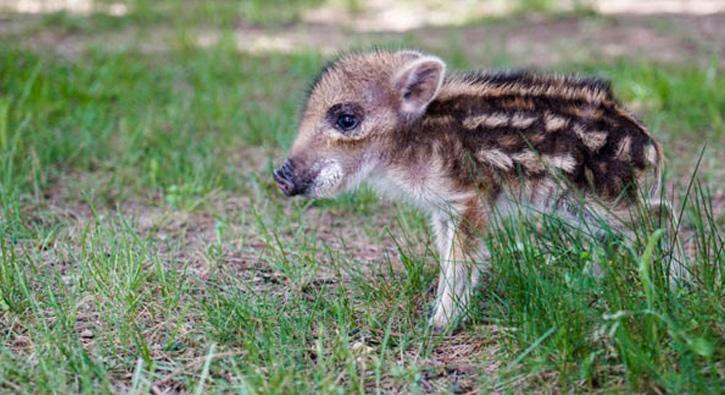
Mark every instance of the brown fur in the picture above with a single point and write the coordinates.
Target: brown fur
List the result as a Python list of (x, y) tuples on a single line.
[(456, 144)]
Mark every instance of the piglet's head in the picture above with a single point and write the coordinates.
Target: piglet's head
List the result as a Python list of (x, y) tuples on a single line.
[(355, 105)]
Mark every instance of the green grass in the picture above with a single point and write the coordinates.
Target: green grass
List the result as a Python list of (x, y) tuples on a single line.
[(629, 326), (144, 245)]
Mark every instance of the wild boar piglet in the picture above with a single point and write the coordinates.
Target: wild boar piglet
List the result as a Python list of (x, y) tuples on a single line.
[(462, 147)]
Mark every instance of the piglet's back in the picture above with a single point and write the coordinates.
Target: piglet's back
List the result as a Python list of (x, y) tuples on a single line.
[(527, 123)]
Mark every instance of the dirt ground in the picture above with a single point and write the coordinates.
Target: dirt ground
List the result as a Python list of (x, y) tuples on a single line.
[(528, 39)]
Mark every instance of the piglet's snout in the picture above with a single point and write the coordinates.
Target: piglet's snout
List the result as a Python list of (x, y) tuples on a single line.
[(286, 179)]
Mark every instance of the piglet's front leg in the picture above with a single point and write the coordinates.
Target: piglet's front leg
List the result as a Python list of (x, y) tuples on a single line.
[(459, 276)]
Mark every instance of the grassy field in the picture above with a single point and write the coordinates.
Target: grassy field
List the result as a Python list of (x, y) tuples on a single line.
[(145, 248)]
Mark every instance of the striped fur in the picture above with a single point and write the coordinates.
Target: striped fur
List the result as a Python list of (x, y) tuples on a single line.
[(461, 146)]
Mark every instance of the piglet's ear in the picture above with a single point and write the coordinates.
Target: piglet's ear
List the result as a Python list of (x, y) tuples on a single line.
[(418, 83)]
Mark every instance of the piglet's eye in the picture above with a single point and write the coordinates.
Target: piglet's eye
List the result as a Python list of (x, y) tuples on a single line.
[(346, 118), (346, 122)]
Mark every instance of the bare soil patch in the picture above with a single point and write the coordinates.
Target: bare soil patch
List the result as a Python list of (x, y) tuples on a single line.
[(529, 40)]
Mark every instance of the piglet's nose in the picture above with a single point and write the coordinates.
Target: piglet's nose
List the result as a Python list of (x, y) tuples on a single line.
[(285, 178)]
